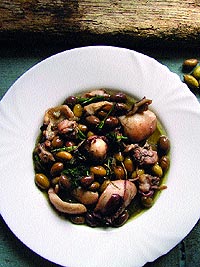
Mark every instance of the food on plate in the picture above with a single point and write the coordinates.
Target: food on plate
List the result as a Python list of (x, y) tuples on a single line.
[(101, 157)]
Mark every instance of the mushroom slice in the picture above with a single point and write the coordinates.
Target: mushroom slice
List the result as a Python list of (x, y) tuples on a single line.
[(63, 206), (54, 116), (94, 107), (58, 114)]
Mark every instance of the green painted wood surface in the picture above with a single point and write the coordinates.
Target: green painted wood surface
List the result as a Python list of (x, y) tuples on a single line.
[(13, 63)]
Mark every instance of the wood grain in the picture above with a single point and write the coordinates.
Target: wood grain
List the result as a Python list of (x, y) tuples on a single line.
[(165, 20)]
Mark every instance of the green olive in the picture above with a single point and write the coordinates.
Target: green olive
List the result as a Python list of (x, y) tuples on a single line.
[(82, 127), (42, 181), (119, 156), (104, 185), (147, 202), (196, 72), (137, 172), (128, 163), (64, 155), (157, 170), (90, 133), (191, 81), (78, 110), (119, 172), (98, 170), (94, 186)]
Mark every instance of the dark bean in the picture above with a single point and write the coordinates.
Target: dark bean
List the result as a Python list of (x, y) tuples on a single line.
[(163, 144), (56, 168), (57, 142), (118, 97), (189, 64), (64, 182), (70, 100), (78, 219), (111, 122), (121, 109), (92, 120), (91, 220), (164, 163), (121, 219), (87, 180)]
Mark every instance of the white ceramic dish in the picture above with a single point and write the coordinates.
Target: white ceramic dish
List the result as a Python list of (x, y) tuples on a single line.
[(27, 211)]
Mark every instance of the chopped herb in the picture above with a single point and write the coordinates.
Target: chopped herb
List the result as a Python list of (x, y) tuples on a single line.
[(81, 135), (76, 173), (108, 166), (116, 137), (101, 124), (38, 164), (64, 148), (88, 100)]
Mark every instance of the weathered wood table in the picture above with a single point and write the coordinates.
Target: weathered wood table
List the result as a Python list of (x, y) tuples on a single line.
[(35, 29), (79, 21)]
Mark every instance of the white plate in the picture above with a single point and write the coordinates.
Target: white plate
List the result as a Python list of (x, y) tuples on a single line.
[(27, 211)]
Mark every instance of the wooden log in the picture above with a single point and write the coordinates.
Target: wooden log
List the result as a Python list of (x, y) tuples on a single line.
[(165, 20)]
